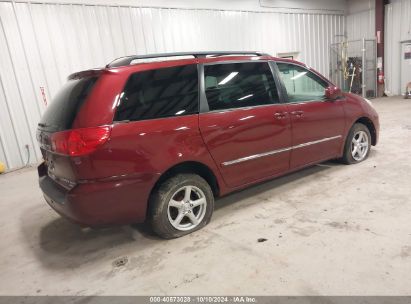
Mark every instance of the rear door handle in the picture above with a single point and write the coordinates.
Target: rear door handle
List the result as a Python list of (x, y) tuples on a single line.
[(280, 115)]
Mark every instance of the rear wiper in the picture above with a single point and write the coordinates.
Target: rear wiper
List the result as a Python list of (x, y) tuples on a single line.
[(122, 121), (43, 125)]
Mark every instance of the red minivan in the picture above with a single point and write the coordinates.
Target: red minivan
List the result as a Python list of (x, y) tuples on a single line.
[(157, 141)]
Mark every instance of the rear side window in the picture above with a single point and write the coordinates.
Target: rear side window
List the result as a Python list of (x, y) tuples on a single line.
[(159, 93), (237, 85), (64, 107)]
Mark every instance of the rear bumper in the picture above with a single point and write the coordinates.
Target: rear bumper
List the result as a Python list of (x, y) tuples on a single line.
[(100, 203)]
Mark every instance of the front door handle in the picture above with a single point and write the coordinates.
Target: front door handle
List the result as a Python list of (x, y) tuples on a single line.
[(297, 113)]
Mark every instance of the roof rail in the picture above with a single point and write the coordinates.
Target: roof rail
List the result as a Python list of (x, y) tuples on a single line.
[(126, 60)]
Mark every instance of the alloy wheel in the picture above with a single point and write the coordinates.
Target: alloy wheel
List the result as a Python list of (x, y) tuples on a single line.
[(359, 145), (186, 208)]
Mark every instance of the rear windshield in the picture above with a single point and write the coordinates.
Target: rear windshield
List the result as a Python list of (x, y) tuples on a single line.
[(64, 107)]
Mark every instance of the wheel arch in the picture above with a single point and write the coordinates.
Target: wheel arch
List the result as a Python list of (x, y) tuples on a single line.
[(370, 125), (190, 167)]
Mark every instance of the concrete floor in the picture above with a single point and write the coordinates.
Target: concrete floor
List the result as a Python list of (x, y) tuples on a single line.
[(331, 229)]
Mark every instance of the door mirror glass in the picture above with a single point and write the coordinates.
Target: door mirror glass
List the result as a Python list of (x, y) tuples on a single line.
[(332, 92)]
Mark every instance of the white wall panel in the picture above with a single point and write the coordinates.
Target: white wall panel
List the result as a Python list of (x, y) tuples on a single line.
[(293, 6), (361, 25), (42, 43), (397, 30), (360, 19)]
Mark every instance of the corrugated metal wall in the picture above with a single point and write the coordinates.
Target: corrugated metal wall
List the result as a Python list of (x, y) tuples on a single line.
[(40, 44), (360, 19), (361, 25), (397, 29)]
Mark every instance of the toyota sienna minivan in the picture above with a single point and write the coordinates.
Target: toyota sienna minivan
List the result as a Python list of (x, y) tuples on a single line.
[(157, 141)]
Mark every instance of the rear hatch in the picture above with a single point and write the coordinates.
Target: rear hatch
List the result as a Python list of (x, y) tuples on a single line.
[(55, 127)]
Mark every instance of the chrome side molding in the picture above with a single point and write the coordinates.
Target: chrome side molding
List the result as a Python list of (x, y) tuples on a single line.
[(251, 157)]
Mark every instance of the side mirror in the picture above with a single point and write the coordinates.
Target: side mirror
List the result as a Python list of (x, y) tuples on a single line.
[(332, 92)]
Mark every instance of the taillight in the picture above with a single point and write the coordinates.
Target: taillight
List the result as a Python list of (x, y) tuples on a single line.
[(79, 141)]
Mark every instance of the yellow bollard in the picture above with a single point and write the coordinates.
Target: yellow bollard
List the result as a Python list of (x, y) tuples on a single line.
[(2, 168)]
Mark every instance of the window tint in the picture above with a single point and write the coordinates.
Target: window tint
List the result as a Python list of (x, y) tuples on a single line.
[(237, 85), (64, 107), (301, 84), (160, 93)]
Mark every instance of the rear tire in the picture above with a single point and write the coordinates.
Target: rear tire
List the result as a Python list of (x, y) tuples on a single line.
[(357, 145), (182, 204)]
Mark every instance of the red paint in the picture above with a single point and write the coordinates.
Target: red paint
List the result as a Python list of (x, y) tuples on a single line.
[(318, 120), (235, 134), (111, 183)]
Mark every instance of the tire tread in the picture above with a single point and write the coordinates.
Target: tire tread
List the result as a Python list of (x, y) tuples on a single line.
[(347, 157)]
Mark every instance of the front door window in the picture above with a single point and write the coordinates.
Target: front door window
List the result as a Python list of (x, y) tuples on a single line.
[(301, 84)]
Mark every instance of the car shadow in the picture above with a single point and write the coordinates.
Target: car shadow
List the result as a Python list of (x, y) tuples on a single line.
[(269, 185), (61, 244), (230, 202)]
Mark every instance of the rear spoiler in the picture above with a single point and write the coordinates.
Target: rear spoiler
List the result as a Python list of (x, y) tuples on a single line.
[(86, 73)]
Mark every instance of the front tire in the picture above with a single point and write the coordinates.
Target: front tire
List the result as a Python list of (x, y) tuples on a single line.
[(357, 145), (182, 204)]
